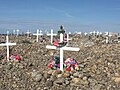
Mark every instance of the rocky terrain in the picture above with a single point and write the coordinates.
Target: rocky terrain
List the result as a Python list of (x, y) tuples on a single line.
[(99, 66)]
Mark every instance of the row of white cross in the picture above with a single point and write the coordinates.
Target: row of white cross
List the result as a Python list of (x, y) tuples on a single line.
[(52, 34), (48, 46), (85, 33), (14, 31)]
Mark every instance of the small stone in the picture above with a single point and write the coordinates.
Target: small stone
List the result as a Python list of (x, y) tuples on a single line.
[(117, 75), (72, 77), (116, 79), (59, 76), (39, 88), (53, 78), (43, 80), (66, 75), (96, 87), (38, 77), (14, 85), (9, 66), (21, 66), (50, 72), (54, 73), (58, 71), (76, 74), (77, 68), (46, 75), (59, 81), (84, 78), (46, 88), (49, 83), (76, 80), (34, 73), (30, 64), (84, 82), (67, 82), (81, 65)]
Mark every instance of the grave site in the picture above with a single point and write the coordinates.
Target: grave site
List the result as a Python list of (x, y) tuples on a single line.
[(55, 62)]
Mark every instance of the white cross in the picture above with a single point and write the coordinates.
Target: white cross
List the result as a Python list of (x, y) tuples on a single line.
[(40, 32), (97, 33), (69, 32), (110, 35), (17, 31), (52, 34), (61, 37), (85, 33), (14, 32), (94, 33), (37, 34), (7, 44), (7, 32), (107, 40), (61, 51), (91, 33), (118, 39), (28, 33), (100, 33), (68, 39), (79, 33), (106, 33)]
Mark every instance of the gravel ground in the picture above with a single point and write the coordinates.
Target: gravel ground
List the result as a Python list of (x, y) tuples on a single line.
[(99, 66)]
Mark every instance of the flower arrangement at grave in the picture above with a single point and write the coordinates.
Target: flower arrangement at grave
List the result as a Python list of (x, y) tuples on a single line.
[(55, 62), (15, 57), (69, 63)]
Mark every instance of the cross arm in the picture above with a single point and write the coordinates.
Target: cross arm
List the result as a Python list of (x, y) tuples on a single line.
[(52, 34), (50, 47), (5, 44), (70, 48), (37, 34)]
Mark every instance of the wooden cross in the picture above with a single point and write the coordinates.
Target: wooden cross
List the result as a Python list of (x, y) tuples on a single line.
[(61, 51), (7, 44), (52, 34)]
